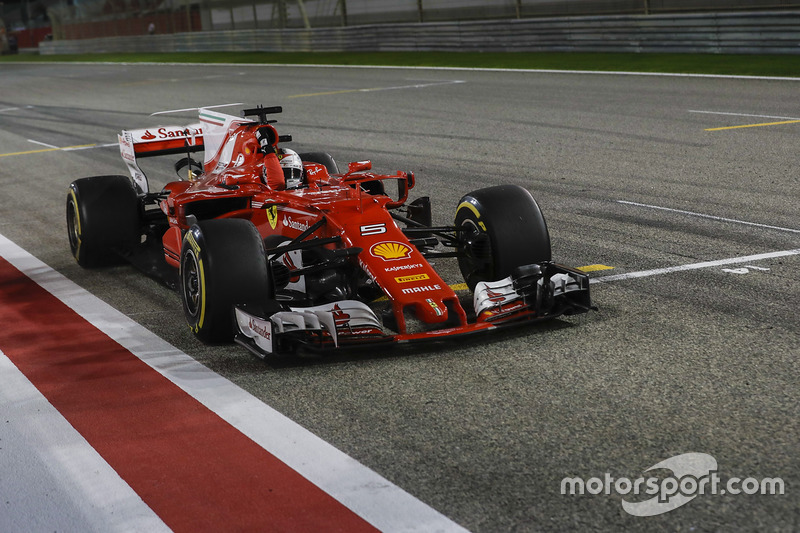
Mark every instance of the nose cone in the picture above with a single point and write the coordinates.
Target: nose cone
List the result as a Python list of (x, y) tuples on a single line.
[(432, 311)]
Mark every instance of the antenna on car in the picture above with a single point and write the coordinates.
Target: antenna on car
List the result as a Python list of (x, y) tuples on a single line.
[(192, 109), (194, 168), (261, 112)]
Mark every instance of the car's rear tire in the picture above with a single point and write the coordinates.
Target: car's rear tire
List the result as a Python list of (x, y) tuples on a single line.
[(103, 219), (503, 229), (222, 264), (322, 158)]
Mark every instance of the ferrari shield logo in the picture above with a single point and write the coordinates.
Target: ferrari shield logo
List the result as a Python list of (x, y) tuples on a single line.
[(272, 215)]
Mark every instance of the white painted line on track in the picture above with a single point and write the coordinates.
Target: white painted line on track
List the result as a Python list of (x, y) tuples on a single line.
[(89, 147), (68, 486), (375, 89), (43, 144), (413, 86), (695, 266), (396, 67), (711, 217), (363, 491), (741, 114)]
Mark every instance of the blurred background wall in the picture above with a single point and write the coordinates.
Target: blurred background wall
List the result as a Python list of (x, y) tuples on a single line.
[(29, 22)]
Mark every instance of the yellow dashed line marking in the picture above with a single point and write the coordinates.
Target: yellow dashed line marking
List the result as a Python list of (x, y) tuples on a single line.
[(49, 150), (594, 268), (754, 125)]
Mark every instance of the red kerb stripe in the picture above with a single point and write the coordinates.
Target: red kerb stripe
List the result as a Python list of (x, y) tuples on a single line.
[(195, 470)]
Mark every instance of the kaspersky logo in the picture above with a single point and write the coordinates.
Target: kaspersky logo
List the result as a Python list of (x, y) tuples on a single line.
[(390, 251)]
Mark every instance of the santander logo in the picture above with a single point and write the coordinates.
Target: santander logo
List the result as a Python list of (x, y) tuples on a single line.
[(170, 133)]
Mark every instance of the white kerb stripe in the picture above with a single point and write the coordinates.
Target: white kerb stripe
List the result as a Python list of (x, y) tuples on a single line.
[(51, 479), (370, 496)]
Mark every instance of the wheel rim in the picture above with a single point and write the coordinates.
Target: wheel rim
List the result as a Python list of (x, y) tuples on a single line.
[(476, 258), (73, 225), (192, 290)]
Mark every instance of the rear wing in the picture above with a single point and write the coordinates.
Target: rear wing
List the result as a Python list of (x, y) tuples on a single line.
[(161, 140), (212, 135)]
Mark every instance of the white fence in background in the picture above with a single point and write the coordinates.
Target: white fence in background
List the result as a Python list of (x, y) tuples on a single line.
[(750, 32)]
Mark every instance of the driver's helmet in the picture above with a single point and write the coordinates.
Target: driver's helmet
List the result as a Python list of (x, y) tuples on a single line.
[(292, 168)]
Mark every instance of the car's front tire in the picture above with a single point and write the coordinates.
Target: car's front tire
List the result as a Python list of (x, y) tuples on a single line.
[(502, 228), (222, 264)]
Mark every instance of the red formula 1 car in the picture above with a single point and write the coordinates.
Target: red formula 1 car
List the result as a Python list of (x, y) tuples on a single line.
[(279, 251)]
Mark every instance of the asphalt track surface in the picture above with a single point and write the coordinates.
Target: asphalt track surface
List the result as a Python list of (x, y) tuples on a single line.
[(692, 230)]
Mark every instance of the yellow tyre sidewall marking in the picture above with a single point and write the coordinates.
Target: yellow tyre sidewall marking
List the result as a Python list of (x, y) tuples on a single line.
[(201, 274), (474, 210), (202, 294), (77, 221)]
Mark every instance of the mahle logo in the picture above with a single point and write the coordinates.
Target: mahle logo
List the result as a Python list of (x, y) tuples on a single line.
[(693, 474)]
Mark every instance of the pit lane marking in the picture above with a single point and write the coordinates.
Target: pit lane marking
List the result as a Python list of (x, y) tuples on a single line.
[(374, 89), (711, 217)]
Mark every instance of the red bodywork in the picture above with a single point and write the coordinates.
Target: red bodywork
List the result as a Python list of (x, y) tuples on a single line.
[(360, 219), (241, 178)]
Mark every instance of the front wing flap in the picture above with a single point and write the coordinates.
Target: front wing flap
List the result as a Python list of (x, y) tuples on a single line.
[(533, 293), (329, 326)]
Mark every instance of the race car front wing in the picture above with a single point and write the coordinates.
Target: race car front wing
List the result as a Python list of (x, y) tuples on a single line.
[(532, 293)]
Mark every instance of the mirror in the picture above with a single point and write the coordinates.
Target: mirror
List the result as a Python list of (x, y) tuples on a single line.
[(359, 166)]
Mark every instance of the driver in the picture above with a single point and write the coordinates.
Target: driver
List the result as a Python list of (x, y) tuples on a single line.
[(292, 167), (272, 171)]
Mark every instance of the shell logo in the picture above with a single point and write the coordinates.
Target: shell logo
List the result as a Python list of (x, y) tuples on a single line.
[(390, 251)]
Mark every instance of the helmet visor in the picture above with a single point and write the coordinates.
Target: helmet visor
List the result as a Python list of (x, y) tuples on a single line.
[(293, 176)]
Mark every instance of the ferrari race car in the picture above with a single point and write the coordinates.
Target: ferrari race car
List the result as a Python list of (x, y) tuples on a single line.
[(280, 251)]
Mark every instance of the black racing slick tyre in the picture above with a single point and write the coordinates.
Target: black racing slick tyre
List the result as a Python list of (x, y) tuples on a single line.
[(103, 219), (322, 158), (502, 228), (222, 265)]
